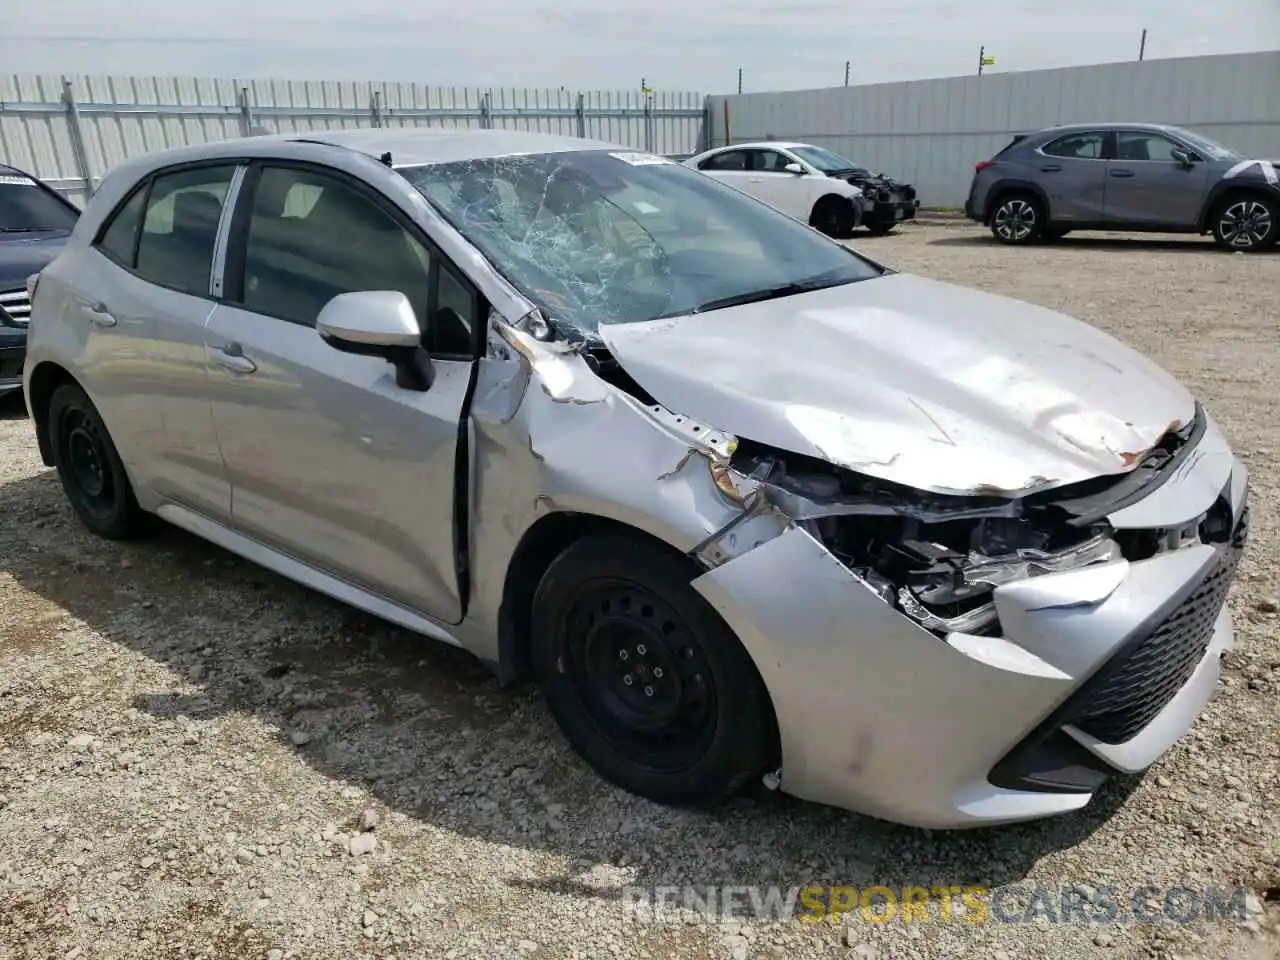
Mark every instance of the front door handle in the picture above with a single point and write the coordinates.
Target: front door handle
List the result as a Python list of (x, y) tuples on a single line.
[(100, 316), (1052, 168), (1122, 173), (231, 357)]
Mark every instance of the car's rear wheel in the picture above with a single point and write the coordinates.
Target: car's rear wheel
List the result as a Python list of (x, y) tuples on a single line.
[(90, 469), (646, 681), (1018, 218), (1246, 222), (833, 216)]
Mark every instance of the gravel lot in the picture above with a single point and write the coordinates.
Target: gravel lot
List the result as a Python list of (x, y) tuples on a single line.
[(198, 758)]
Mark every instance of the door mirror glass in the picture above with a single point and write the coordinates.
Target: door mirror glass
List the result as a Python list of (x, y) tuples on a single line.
[(794, 168), (378, 323)]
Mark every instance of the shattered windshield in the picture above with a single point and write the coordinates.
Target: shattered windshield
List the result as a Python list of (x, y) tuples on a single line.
[(598, 237), (825, 160)]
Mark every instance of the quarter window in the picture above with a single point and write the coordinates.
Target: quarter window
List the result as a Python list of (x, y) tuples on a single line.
[(180, 227), (1076, 146), (119, 239)]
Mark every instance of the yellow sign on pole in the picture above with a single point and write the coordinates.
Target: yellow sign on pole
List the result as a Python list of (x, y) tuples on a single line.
[(988, 61)]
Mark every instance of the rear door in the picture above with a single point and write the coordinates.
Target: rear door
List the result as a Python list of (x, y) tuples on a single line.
[(330, 461), (1145, 185), (1072, 170)]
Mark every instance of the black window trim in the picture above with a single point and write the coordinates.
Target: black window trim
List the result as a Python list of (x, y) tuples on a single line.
[(143, 187), (238, 240)]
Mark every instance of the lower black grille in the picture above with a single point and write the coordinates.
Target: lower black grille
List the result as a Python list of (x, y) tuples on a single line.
[(10, 366), (1140, 681)]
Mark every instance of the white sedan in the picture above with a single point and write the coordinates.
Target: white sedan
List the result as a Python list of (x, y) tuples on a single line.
[(811, 184)]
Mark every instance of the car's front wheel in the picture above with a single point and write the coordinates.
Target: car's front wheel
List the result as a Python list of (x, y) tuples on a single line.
[(1017, 218), (644, 678), (834, 216), (1246, 223), (90, 469), (880, 227)]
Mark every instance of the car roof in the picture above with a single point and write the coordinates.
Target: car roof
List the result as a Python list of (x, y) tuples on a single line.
[(1109, 125), (409, 146), (785, 144)]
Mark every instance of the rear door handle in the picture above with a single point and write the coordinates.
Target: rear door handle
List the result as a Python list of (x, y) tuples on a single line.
[(1122, 173), (1052, 168), (100, 316), (231, 357)]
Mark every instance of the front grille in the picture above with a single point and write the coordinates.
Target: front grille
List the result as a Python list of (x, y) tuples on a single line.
[(1140, 681), (16, 305)]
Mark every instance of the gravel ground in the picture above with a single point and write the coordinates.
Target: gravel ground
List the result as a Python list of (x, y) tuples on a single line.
[(198, 758)]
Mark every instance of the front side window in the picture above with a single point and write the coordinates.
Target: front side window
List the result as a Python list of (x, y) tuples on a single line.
[(1076, 146), (27, 207), (595, 237), (1145, 146), (180, 227), (771, 161), (313, 236)]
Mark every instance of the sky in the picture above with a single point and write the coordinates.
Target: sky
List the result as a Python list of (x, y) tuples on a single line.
[(613, 44)]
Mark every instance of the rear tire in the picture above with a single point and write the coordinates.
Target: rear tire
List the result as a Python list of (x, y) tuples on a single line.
[(92, 473), (1018, 219), (1246, 222), (644, 678), (833, 216)]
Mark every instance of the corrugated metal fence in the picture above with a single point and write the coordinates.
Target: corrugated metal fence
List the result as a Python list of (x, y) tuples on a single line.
[(70, 131), (931, 132)]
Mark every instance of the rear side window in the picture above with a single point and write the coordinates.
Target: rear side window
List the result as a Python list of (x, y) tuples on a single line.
[(1076, 146), (180, 227)]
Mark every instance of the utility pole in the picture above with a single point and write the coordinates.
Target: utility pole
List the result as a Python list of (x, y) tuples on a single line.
[(1142, 47), (846, 73), (981, 59), (739, 79)]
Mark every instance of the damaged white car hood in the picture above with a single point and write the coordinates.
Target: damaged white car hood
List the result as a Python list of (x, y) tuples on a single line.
[(928, 384)]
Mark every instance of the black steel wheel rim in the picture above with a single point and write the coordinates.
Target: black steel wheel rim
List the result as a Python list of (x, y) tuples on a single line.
[(88, 463), (641, 674)]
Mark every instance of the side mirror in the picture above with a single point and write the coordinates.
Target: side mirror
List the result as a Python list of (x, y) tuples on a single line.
[(378, 323), (1182, 158), (794, 168)]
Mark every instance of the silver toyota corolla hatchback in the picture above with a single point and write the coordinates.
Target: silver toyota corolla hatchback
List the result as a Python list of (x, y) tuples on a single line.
[(747, 504)]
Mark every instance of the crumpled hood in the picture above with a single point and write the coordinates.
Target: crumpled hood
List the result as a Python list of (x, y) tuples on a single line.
[(911, 380)]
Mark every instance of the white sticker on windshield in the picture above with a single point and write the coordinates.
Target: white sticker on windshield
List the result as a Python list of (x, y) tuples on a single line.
[(639, 159), (9, 181), (643, 207)]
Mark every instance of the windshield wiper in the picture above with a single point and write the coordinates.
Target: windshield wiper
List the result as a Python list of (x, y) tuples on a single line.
[(819, 282), (32, 229)]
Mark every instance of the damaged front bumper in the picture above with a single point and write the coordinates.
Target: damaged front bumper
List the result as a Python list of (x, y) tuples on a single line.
[(1091, 672)]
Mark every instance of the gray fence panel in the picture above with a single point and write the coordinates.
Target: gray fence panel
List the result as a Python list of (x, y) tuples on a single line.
[(931, 132), (71, 131)]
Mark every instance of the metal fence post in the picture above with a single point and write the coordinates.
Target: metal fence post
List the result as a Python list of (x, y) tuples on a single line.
[(76, 134), (375, 108), (486, 120), (580, 111), (648, 122), (246, 115)]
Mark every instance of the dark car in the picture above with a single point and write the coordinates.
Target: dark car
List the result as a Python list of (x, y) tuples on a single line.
[(35, 222), (1139, 177)]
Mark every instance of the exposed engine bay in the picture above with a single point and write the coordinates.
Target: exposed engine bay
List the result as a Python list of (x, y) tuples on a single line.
[(878, 187), (938, 558)]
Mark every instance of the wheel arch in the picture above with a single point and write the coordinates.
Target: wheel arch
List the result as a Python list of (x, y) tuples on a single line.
[(1226, 190), (1003, 188), (43, 381)]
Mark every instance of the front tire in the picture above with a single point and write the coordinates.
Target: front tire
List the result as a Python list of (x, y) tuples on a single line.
[(833, 216), (90, 469), (645, 680), (1017, 219), (879, 228), (1246, 223)]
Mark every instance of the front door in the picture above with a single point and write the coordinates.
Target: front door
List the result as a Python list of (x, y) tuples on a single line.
[(791, 193), (734, 168), (329, 460), (1145, 185)]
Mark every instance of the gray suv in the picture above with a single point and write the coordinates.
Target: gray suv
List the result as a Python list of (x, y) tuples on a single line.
[(1141, 177)]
